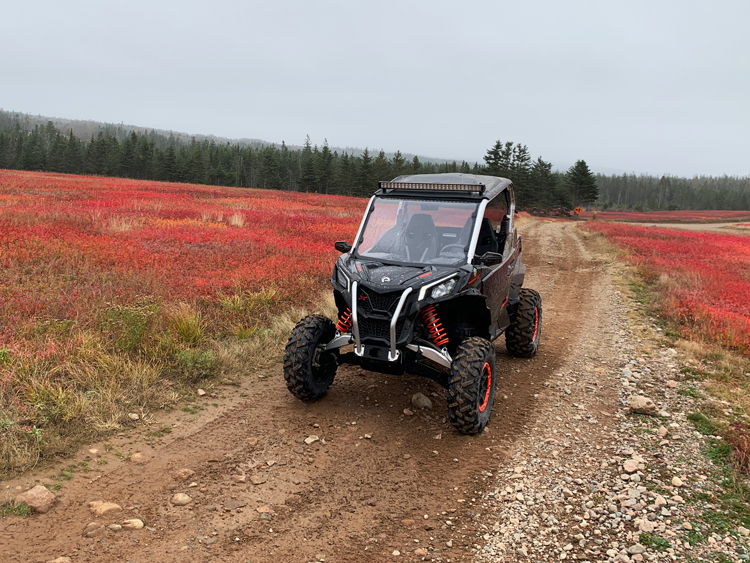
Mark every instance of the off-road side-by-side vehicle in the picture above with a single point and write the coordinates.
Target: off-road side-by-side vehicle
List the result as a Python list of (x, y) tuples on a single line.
[(433, 277)]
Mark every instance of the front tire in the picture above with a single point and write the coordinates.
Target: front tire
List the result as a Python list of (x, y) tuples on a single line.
[(471, 388), (308, 370), (522, 336)]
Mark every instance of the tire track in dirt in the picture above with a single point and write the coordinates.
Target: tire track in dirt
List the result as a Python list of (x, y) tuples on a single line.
[(347, 497)]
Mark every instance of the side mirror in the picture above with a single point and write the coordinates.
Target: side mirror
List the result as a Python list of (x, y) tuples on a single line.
[(490, 258), (343, 246)]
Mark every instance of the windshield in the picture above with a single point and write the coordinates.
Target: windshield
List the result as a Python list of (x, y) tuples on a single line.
[(418, 231)]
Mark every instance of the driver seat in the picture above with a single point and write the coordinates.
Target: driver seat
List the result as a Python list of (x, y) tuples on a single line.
[(421, 238)]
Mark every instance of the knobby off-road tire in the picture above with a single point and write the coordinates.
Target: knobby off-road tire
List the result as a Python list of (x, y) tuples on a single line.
[(471, 388), (308, 371), (522, 336)]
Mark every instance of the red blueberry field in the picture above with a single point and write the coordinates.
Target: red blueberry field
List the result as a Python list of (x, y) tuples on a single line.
[(141, 279), (703, 278)]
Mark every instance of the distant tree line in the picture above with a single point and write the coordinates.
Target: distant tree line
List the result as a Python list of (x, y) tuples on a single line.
[(646, 193), (153, 156), (27, 144)]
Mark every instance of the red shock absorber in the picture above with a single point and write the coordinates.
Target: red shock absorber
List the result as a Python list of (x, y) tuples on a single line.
[(345, 321), (434, 326)]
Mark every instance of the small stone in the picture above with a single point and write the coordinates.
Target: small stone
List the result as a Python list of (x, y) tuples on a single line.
[(181, 499), (200, 392), (60, 560), (252, 442), (101, 508), (421, 552), (192, 485), (744, 531), (257, 479), (660, 501), (183, 474), (676, 482), (239, 478), (671, 384), (368, 436), (133, 416), (264, 510), (138, 458), (630, 465), (661, 432), (94, 529), (38, 499), (687, 525), (449, 543), (396, 553), (233, 504), (420, 401), (133, 524), (311, 439), (636, 549), (115, 527), (408, 412), (643, 405)]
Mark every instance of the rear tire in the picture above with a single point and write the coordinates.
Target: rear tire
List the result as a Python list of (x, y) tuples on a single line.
[(308, 370), (471, 388), (522, 336)]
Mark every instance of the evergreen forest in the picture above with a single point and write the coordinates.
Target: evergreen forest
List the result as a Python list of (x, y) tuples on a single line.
[(110, 150)]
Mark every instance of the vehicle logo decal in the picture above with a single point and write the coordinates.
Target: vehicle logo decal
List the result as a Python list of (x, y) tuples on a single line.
[(385, 280)]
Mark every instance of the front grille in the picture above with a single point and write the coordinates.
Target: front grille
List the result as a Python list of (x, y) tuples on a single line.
[(378, 302), (378, 328)]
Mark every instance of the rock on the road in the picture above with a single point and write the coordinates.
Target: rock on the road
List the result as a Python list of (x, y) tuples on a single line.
[(102, 508), (183, 474), (133, 524), (420, 401), (38, 499), (643, 405), (181, 499), (62, 559)]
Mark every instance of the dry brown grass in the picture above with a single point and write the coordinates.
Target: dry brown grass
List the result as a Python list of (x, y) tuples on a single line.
[(265, 347), (146, 358)]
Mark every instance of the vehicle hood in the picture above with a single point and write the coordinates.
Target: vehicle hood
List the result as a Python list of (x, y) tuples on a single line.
[(385, 277)]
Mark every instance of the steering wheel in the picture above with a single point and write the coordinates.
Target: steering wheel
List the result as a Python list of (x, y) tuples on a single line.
[(454, 249)]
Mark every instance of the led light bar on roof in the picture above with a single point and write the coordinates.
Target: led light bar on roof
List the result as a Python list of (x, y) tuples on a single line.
[(434, 187)]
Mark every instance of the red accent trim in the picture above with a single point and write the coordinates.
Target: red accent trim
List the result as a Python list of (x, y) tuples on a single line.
[(425, 275), (475, 278), (434, 326), (536, 321), (488, 369), (504, 302)]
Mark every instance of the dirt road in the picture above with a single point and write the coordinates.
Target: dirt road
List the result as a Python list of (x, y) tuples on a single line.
[(376, 482)]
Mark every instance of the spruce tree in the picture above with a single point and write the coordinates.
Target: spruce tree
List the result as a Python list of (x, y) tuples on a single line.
[(581, 184)]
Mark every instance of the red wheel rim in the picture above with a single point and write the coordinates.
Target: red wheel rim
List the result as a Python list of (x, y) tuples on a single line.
[(536, 322), (487, 369)]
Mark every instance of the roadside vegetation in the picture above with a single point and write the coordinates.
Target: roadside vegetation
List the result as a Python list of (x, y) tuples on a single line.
[(696, 286), (119, 296)]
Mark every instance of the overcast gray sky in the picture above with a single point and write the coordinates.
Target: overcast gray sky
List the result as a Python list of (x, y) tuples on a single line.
[(644, 86)]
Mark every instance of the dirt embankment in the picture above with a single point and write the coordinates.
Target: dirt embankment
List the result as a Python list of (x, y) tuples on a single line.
[(376, 482)]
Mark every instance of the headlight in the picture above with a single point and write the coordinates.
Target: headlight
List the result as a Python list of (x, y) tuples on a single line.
[(443, 289)]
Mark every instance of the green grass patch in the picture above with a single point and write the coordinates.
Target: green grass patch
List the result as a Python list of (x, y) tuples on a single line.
[(703, 424), (689, 391), (653, 541), (13, 509)]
